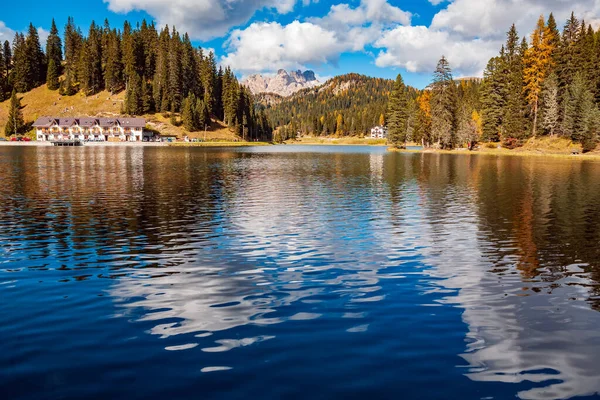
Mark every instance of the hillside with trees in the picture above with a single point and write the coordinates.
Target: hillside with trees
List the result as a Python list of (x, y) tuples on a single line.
[(347, 105), (157, 72), (547, 86)]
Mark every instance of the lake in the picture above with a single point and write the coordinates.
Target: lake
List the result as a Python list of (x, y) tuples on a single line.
[(297, 272)]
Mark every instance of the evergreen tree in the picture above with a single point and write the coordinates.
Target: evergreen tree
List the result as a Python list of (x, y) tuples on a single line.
[(189, 115), (443, 102), (21, 72), (35, 59), (550, 105), (398, 115), (54, 58), (493, 99), (73, 45), (15, 123), (113, 69), (7, 56), (175, 87), (91, 76), (579, 109)]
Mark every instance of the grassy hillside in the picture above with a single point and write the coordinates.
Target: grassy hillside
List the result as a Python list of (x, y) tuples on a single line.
[(41, 102)]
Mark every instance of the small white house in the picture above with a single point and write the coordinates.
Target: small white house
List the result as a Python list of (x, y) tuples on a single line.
[(379, 132)]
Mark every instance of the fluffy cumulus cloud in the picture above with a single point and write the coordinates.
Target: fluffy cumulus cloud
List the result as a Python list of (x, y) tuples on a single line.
[(6, 33), (269, 46), (202, 19), (469, 32), (418, 48)]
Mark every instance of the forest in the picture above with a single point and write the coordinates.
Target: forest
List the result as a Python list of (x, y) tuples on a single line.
[(548, 85), (160, 71), (347, 105)]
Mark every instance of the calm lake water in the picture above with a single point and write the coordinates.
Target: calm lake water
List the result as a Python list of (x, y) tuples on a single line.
[(296, 272)]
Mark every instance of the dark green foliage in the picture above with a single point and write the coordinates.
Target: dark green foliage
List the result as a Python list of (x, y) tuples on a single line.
[(398, 114), (443, 106), (157, 72), (359, 99), (15, 124), (189, 115), (54, 58)]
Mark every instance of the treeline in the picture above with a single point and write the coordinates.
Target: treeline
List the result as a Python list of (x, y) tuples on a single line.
[(159, 71), (345, 105), (548, 85)]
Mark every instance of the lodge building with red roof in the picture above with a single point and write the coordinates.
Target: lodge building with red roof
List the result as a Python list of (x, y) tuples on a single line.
[(90, 129)]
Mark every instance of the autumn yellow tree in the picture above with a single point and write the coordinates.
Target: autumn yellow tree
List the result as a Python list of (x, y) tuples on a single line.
[(382, 120), (538, 59), (424, 117), (339, 131)]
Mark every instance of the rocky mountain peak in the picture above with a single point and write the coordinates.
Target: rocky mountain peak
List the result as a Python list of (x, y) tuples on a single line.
[(283, 83)]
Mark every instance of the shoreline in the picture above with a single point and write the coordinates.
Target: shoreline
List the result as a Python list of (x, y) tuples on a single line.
[(141, 144), (505, 152)]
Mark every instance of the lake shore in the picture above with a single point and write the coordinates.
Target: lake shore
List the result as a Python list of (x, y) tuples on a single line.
[(519, 152), (345, 141), (142, 144)]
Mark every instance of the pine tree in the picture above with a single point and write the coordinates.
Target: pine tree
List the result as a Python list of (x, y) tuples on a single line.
[(54, 58), (161, 76), (579, 109), (7, 53), (443, 102), (189, 114), (514, 121), (21, 72), (92, 78), (113, 69), (550, 105), (35, 59), (73, 42), (175, 87), (493, 99), (15, 123), (398, 115)]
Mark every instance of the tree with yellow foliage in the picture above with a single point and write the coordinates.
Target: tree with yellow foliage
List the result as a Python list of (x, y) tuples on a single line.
[(538, 59), (423, 128)]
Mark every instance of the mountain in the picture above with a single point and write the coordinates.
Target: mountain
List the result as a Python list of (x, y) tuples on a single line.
[(349, 104), (283, 84)]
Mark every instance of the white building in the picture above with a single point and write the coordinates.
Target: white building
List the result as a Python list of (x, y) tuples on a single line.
[(379, 132), (93, 129)]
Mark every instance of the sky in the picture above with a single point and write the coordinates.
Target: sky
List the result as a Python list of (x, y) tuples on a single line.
[(379, 38)]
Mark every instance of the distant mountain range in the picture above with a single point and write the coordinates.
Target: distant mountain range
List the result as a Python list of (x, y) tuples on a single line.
[(284, 83)]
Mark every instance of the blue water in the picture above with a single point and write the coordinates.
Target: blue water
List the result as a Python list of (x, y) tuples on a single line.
[(296, 272)]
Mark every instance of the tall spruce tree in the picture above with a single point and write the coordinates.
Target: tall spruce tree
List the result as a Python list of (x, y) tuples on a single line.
[(15, 123), (443, 103), (550, 105), (398, 114), (54, 58)]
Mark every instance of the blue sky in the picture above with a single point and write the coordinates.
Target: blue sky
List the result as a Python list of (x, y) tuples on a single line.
[(373, 37)]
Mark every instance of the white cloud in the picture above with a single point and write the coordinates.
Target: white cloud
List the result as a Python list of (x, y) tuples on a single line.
[(418, 48), (266, 47), (6, 33), (202, 19), (43, 34), (469, 32)]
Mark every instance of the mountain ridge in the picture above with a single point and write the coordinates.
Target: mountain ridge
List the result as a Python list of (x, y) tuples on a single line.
[(283, 83)]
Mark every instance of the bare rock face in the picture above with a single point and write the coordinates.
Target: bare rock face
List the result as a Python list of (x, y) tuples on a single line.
[(283, 84)]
